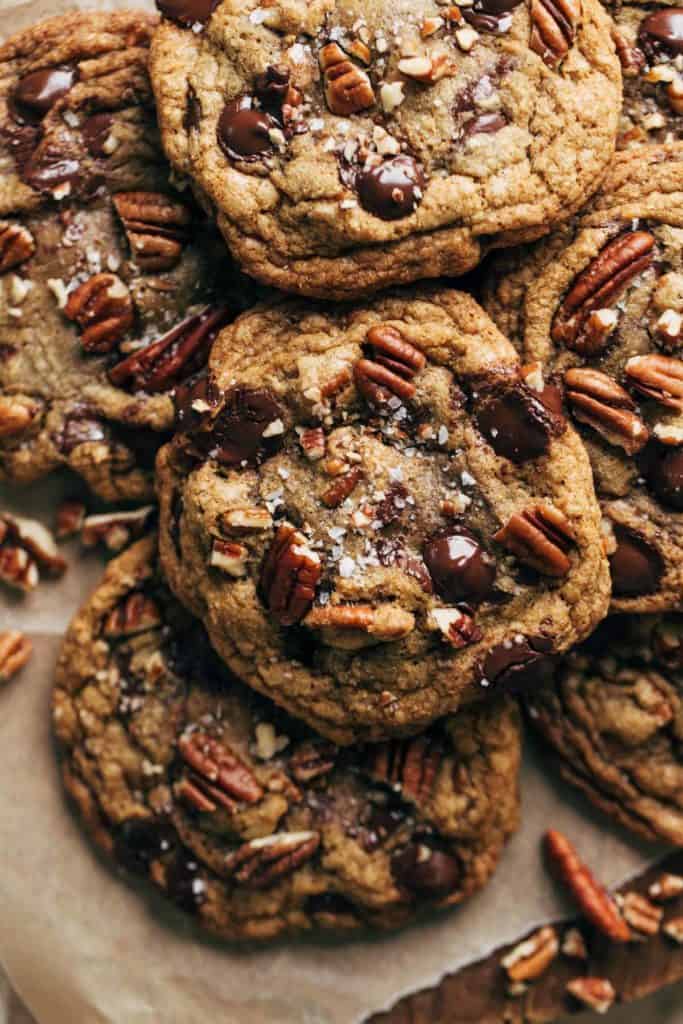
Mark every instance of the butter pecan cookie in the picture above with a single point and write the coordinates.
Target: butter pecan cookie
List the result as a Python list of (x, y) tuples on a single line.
[(239, 813), (373, 514), (349, 146), (597, 313), (615, 718), (109, 291)]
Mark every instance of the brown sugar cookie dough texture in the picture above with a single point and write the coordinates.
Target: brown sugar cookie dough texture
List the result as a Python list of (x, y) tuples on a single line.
[(615, 718), (597, 312), (109, 291), (349, 146), (241, 815), (374, 516)]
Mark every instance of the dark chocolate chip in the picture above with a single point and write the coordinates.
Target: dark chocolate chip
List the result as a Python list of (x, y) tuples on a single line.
[(425, 871), (38, 91), (491, 15), (460, 568), (184, 884), (666, 478), (518, 664), (515, 424), (139, 841), (391, 190), (96, 130), (48, 168), (662, 32), (244, 132), (485, 124), (272, 86), (187, 12), (636, 566), (239, 428)]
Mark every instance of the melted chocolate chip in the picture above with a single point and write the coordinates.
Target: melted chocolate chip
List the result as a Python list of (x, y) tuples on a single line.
[(485, 124), (518, 664), (666, 478), (244, 132), (184, 884), (96, 131), (47, 169), (38, 91), (636, 566), (139, 841), (425, 871), (248, 415), (491, 15), (460, 568), (187, 12), (515, 424), (393, 189), (272, 86), (662, 32)]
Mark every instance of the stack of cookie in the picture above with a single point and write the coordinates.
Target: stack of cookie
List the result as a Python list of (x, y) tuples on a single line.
[(381, 520)]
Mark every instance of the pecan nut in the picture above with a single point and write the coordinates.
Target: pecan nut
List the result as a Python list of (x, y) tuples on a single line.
[(177, 354), (313, 443), (245, 519), (347, 87), (312, 759), (354, 626), (666, 887), (15, 650), (16, 245), (338, 492), (216, 777), (657, 377), (156, 227), (540, 536), (674, 929), (103, 308), (643, 917), (553, 28), (261, 862), (115, 529), (427, 69), (289, 576), (229, 557), (16, 415), (600, 403), (530, 958), (456, 625), (596, 993), (411, 765), (26, 547), (599, 285), (390, 371), (136, 614)]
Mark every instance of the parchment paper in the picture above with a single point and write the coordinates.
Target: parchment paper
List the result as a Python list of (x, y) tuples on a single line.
[(83, 947)]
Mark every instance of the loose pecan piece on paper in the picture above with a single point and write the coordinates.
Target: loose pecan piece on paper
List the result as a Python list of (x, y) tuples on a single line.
[(599, 402), (530, 958), (16, 245), (540, 536), (347, 87), (156, 227), (15, 650), (657, 377), (261, 862), (289, 576), (388, 374), (103, 308), (553, 28), (216, 776)]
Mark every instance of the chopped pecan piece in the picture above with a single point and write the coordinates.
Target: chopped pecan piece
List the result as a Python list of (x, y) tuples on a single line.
[(177, 354), (16, 246), (530, 958), (599, 285), (16, 414), (456, 625), (596, 993), (229, 557), (379, 385), (115, 529), (601, 403), (15, 650), (261, 862), (591, 897), (411, 764), (541, 537), (17, 569), (103, 308), (246, 519), (156, 227), (313, 443), (342, 487), (666, 887), (136, 614), (26, 546), (289, 576), (217, 777), (644, 917), (353, 626), (70, 519), (347, 87), (312, 759), (574, 945), (553, 28), (390, 349), (429, 68), (336, 384), (674, 929), (657, 377)]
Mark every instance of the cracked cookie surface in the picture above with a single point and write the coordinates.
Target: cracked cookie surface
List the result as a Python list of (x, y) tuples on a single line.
[(347, 147), (374, 515), (615, 718), (598, 307), (109, 290), (240, 814)]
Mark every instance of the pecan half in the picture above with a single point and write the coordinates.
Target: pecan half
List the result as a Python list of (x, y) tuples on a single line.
[(389, 373), (312, 759), (177, 354), (354, 626), (600, 402), (410, 764), (15, 650), (553, 28), (16, 245), (347, 87), (156, 227), (674, 929), (596, 993), (657, 377), (261, 862), (540, 536), (136, 614), (217, 777), (289, 576), (339, 491), (16, 415), (591, 897), (103, 308), (530, 958), (456, 625), (599, 285)]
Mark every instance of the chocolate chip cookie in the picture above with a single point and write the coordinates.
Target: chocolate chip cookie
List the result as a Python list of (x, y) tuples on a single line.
[(112, 286), (373, 514), (349, 146), (597, 312), (615, 718), (239, 813)]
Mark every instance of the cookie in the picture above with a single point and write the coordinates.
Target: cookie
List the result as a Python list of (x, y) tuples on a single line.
[(374, 516), (111, 284), (649, 40), (615, 718), (597, 314), (348, 147), (239, 813)]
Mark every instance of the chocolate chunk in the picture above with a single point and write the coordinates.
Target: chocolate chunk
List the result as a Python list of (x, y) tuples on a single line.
[(272, 86), (38, 91), (244, 132), (666, 478), (248, 415), (187, 12), (96, 131), (47, 169), (460, 568), (491, 15), (183, 883), (391, 190), (636, 566), (426, 871), (485, 124), (515, 424), (139, 841), (662, 33), (518, 664)]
